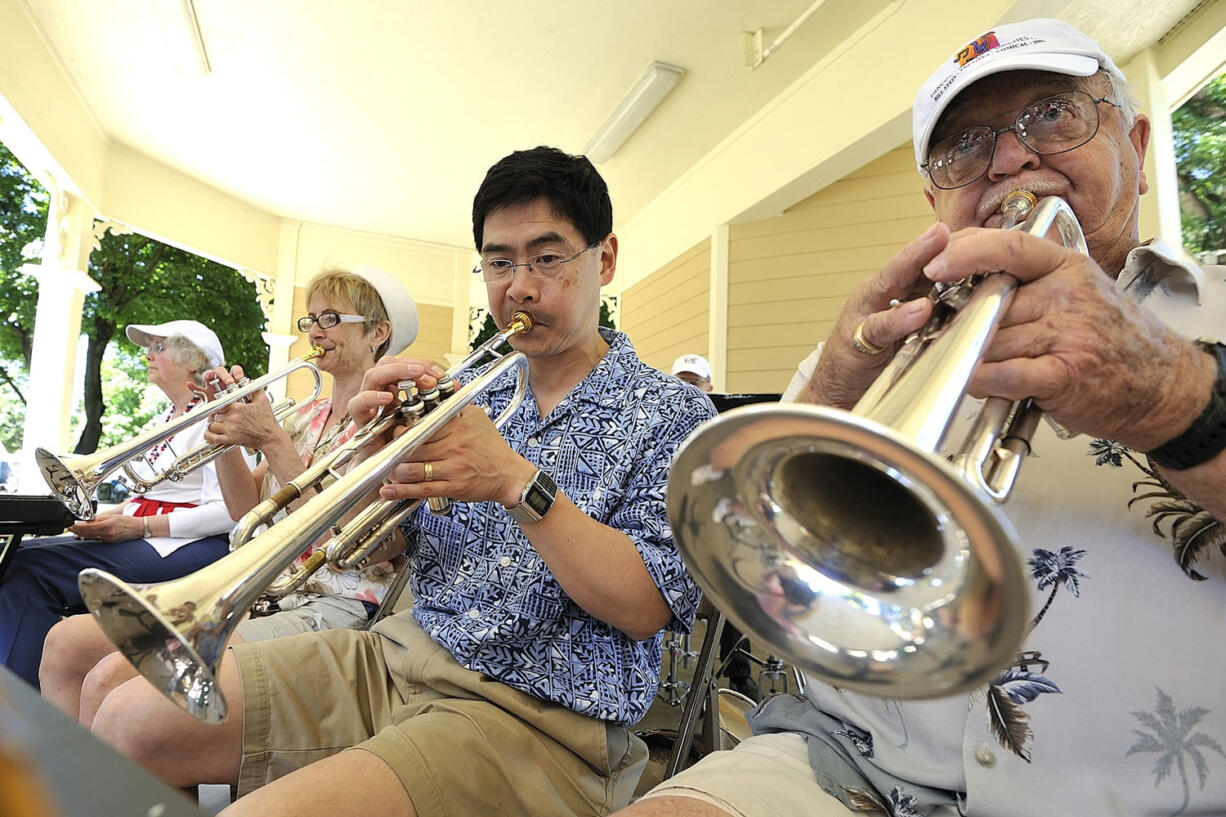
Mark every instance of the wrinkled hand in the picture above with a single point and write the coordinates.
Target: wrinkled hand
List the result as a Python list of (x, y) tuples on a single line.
[(249, 423), (469, 461), (844, 373), (110, 528), (1091, 358)]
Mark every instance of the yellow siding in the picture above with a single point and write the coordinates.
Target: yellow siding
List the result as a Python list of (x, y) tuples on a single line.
[(668, 313), (433, 341), (788, 276)]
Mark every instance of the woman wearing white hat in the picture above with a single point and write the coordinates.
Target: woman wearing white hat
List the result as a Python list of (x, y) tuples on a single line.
[(356, 317), (172, 529)]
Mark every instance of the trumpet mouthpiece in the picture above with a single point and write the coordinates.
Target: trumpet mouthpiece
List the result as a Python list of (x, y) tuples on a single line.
[(1017, 205), (521, 322)]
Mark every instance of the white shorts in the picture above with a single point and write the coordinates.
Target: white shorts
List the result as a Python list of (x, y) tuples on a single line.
[(314, 615)]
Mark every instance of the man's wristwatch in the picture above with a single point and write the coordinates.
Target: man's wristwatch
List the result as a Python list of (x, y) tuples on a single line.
[(536, 500), (145, 527), (1207, 434)]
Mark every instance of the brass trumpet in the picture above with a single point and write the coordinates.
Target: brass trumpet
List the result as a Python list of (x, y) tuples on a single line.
[(74, 478), (844, 541), (175, 632)]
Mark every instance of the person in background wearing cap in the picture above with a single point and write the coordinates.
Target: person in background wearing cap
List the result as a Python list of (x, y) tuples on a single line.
[(1115, 706), (170, 530), (695, 370), (356, 317)]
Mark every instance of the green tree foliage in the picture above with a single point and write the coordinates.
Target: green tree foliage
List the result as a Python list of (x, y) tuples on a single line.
[(1200, 156), (23, 220), (146, 281), (143, 281)]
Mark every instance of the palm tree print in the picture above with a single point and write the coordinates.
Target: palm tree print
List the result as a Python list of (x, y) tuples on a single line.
[(1169, 736), (1055, 570), (1192, 531)]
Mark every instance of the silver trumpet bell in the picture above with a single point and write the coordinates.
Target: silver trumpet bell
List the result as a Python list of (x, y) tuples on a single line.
[(844, 541)]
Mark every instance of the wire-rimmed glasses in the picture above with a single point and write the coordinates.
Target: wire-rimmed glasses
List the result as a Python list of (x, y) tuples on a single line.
[(544, 265), (1053, 124)]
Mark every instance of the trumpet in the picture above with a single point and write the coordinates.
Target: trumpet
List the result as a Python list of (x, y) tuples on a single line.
[(844, 540), (175, 632), (73, 479)]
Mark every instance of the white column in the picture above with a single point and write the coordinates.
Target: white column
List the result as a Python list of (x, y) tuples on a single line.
[(1159, 209), (460, 300), (278, 359), (62, 287), (281, 332), (717, 317)]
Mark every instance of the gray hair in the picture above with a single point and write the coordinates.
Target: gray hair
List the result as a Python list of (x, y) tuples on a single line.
[(188, 354), (1119, 93)]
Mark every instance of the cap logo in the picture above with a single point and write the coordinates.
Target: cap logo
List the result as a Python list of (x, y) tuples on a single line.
[(980, 46)]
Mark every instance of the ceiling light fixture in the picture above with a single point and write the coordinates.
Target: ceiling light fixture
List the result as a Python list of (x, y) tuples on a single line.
[(647, 92), (183, 37)]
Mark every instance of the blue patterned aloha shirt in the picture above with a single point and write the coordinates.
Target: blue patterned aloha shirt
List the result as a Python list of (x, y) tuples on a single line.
[(483, 592)]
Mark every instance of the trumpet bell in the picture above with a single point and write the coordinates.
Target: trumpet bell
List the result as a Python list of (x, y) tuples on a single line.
[(170, 633), (866, 562), (70, 480)]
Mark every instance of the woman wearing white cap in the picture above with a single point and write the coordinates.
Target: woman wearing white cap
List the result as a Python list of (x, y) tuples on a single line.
[(356, 317), (172, 529)]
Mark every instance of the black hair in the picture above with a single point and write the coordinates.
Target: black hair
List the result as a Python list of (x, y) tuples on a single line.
[(571, 185)]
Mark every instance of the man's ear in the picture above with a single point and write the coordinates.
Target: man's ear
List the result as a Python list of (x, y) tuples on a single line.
[(1139, 137), (608, 259)]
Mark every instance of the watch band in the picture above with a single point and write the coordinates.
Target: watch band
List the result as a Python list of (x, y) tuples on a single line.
[(1207, 435), (145, 526), (535, 500)]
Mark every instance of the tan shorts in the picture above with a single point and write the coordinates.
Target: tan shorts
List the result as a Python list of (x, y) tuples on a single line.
[(765, 776), (461, 743)]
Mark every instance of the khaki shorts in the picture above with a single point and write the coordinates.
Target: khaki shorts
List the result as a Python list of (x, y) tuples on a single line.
[(765, 776), (461, 743)]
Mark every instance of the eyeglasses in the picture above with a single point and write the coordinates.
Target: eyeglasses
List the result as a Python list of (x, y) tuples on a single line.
[(326, 320), (546, 265), (1054, 124), (157, 347)]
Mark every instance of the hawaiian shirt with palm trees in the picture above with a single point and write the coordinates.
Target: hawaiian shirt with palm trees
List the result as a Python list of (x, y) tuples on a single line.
[(1117, 702)]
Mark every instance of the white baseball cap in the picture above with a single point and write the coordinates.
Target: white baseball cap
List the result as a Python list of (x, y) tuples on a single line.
[(1037, 45), (401, 309), (143, 334), (695, 364)]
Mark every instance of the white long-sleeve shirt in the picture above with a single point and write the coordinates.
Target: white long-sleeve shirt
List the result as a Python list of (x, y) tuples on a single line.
[(209, 517)]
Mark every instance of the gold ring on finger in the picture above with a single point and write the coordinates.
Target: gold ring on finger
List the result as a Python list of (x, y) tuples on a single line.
[(428, 467), (864, 345)]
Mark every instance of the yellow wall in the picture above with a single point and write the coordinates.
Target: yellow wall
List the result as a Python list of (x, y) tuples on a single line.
[(668, 314), (788, 276), (433, 341)]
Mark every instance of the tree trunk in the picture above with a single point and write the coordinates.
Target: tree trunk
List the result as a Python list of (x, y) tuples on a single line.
[(94, 406)]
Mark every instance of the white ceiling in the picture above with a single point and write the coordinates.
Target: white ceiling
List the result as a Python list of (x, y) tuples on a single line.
[(382, 115)]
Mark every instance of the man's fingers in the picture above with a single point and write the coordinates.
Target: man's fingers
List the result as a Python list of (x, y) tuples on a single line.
[(884, 329), (980, 251)]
